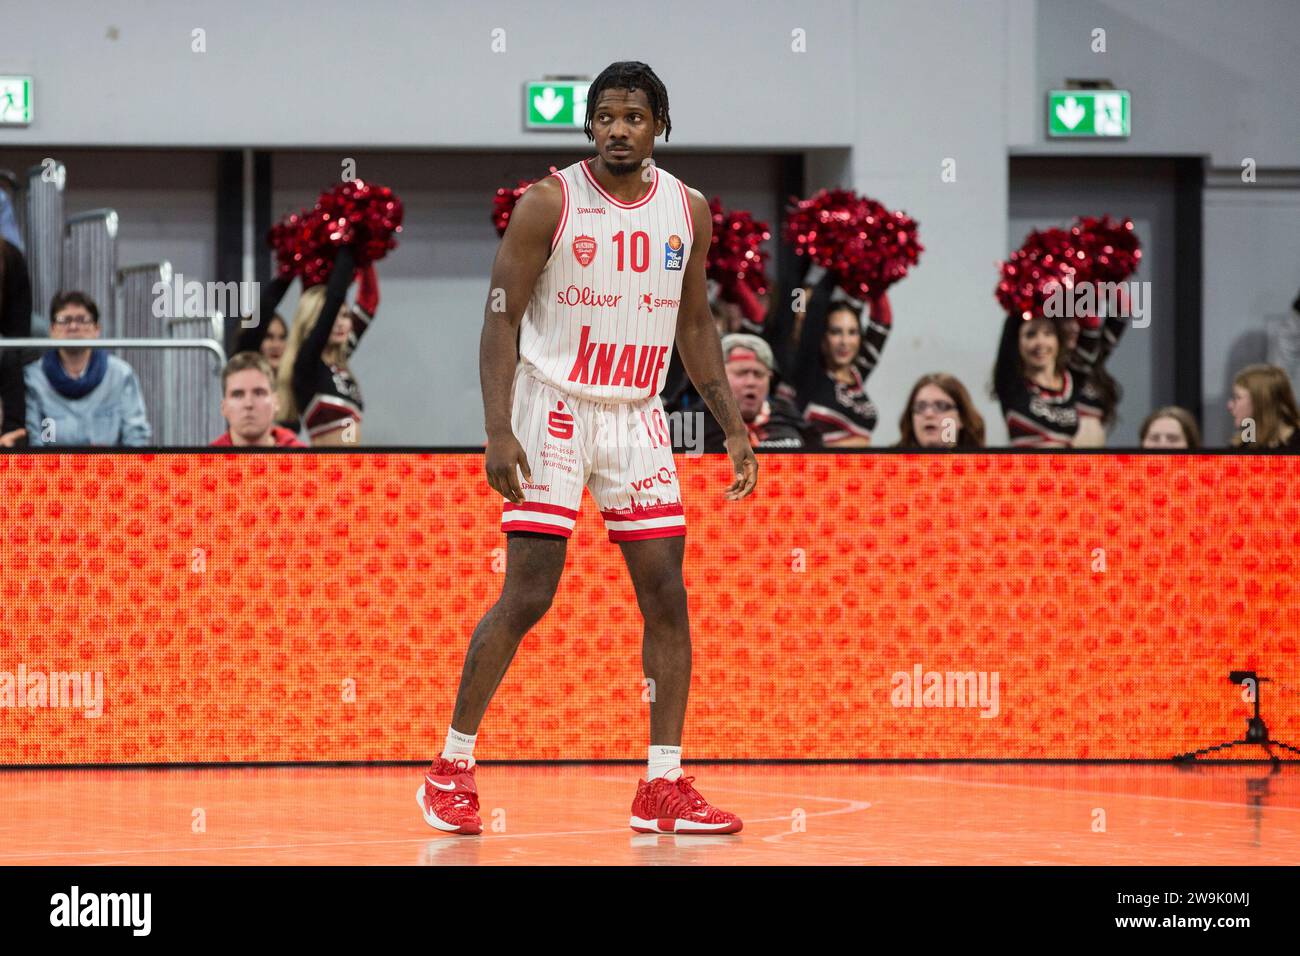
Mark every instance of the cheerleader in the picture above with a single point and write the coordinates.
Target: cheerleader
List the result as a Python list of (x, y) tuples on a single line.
[(837, 351), (315, 382)]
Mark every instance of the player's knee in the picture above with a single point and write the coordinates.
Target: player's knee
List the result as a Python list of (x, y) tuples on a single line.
[(526, 606), (665, 601)]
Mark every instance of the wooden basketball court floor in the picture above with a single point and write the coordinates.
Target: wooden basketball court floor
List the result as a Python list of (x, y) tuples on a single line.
[(907, 814)]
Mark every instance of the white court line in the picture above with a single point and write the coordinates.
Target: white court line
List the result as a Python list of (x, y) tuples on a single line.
[(1064, 791), (854, 806)]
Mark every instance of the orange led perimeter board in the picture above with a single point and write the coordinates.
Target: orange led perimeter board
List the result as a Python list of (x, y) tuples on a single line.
[(209, 607)]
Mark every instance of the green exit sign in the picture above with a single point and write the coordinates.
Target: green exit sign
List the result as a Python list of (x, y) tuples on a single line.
[(555, 104), (15, 100), (1088, 113)]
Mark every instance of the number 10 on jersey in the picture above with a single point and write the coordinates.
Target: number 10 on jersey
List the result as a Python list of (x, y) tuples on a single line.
[(639, 247)]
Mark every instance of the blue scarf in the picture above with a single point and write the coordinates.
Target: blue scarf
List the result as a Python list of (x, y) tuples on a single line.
[(70, 387)]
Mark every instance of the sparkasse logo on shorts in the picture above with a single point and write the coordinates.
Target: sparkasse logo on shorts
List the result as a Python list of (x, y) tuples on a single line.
[(559, 422)]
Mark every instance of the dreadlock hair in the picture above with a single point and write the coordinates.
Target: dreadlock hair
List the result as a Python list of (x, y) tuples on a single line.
[(629, 75)]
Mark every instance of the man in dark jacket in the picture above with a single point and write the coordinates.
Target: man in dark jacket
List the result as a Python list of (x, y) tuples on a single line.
[(772, 421)]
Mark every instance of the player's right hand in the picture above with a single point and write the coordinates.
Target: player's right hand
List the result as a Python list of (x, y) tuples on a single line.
[(745, 465), (503, 460)]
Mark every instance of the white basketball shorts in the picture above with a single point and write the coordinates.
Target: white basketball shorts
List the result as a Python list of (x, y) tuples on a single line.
[(621, 451)]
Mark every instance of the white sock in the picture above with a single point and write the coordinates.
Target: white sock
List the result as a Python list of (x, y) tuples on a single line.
[(665, 762), (459, 746)]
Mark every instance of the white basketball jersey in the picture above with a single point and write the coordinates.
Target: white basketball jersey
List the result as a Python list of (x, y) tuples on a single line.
[(603, 315)]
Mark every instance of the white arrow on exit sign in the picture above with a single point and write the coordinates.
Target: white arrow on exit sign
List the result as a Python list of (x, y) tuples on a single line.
[(1070, 112), (549, 103)]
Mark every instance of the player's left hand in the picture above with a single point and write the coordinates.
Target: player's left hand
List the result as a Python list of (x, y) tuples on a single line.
[(745, 464)]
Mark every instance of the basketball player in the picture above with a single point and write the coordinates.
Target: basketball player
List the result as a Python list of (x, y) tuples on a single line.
[(601, 269)]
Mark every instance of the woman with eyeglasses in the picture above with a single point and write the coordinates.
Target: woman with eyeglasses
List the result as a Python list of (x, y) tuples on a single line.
[(83, 396), (940, 414)]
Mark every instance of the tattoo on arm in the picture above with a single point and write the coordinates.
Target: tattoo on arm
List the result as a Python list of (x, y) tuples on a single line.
[(716, 395)]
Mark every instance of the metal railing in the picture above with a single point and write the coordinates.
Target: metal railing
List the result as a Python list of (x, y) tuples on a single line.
[(90, 262), (43, 234), (194, 409), (136, 319)]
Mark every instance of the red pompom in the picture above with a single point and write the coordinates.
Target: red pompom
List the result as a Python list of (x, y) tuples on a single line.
[(736, 249), (868, 246), (355, 213), (503, 203), (366, 217), (301, 243), (1046, 259), (1092, 250), (1112, 249)]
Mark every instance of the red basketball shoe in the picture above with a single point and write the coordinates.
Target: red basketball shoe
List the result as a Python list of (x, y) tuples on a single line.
[(674, 806), (448, 798)]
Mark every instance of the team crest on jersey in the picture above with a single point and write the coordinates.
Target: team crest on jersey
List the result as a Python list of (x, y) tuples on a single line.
[(673, 253), (584, 250)]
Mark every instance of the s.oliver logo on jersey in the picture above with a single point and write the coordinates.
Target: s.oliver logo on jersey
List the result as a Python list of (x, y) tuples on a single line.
[(674, 255), (584, 250), (559, 422), (614, 363), (576, 295)]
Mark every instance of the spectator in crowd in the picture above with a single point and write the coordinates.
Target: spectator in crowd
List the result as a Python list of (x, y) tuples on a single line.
[(249, 405), (772, 421), (314, 382), (267, 339), (1263, 409), (940, 414), (82, 396), (15, 323), (1170, 427)]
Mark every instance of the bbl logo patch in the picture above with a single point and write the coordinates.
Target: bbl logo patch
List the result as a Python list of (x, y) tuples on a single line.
[(673, 256), (584, 250)]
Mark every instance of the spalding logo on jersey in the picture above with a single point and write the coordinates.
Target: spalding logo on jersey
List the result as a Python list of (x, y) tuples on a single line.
[(584, 250), (673, 253)]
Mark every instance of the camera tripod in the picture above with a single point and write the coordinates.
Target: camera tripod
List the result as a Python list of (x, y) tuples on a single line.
[(1256, 729)]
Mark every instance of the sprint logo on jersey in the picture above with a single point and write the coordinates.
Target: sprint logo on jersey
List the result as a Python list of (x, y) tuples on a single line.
[(649, 303), (673, 253)]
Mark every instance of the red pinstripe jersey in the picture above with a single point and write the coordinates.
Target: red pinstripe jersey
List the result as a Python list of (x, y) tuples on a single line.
[(603, 316)]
